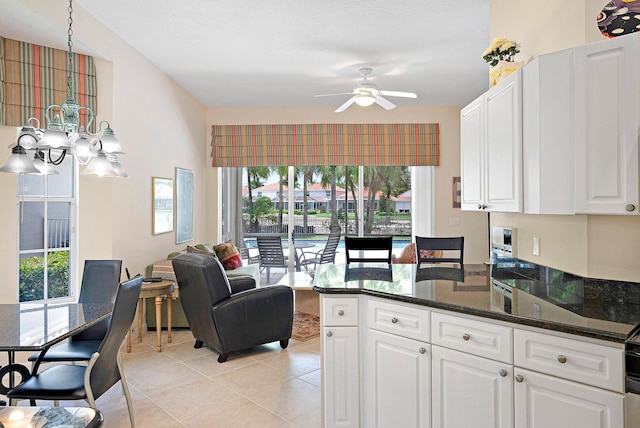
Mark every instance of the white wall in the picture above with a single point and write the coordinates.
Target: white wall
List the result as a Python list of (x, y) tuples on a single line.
[(160, 126), (449, 221), (594, 246)]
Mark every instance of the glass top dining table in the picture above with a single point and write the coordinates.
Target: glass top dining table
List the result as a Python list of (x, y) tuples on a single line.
[(38, 326)]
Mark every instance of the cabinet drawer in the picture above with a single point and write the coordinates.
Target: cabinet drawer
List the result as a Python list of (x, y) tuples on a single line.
[(400, 319), (340, 311), (472, 336), (584, 362)]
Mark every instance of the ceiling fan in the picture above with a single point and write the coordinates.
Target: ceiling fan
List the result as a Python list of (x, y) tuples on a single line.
[(366, 93)]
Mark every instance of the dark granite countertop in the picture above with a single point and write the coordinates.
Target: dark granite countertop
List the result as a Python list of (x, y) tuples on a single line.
[(507, 289)]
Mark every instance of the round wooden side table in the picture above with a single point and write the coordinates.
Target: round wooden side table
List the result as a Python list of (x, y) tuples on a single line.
[(158, 290)]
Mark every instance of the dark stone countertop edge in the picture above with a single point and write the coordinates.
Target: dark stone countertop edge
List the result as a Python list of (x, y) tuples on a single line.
[(564, 328)]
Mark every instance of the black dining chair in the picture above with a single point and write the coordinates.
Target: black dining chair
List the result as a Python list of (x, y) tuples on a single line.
[(364, 245), (80, 382), (271, 253), (100, 279), (326, 255), (426, 247)]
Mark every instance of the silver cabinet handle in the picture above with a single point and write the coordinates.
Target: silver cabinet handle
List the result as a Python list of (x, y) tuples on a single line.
[(394, 320), (630, 207), (329, 334), (503, 373), (422, 350), (562, 359), (466, 337), (340, 313), (519, 378)]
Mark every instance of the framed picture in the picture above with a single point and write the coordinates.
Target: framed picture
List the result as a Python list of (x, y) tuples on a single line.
[(457, 193), (184, 205), (161, 205)]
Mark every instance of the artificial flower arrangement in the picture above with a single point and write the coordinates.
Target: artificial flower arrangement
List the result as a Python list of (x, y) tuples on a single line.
[(501, 49)]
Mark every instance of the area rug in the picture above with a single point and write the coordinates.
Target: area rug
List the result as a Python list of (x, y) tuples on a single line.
[(305, 326)]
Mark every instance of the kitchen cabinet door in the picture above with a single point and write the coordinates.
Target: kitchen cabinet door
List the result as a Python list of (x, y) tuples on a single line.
[(491, 149), (340, 377), (606, 126), (397, 382), (472, 156), (503, 142), (470, 391), (543, 401)]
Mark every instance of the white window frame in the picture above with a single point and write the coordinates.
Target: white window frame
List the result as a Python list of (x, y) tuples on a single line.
[(73, 235)]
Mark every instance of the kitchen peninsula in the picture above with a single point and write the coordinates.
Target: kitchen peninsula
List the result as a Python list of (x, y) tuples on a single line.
[(496, 345)]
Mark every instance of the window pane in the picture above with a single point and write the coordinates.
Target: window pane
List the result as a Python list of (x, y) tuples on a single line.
[(58, 230), (62, 184), (58, 274), (31, 225), (31, 277), (31, 185)]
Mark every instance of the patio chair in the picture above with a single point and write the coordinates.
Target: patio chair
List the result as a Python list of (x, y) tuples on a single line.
[(271, 253), (78, 382), (366, 244), (426, 246), (326, 255), (244, 253)]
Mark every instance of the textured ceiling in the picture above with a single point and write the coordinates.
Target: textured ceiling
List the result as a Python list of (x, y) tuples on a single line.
[(283, 52)]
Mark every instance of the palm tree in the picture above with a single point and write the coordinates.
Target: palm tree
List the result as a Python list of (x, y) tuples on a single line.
[(255, 175), (329, 176), (307, 178), (373, 182), (282, 177), (395, 180), (350, 174)]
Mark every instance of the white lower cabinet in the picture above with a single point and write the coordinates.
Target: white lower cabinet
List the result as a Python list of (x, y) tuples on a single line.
[(340, 377), (470, 391), (543, 401), (397, 384)]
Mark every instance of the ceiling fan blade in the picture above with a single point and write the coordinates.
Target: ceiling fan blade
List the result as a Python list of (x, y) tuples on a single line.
[(330, 95), (344, 106), (398, 94), (384, 103)]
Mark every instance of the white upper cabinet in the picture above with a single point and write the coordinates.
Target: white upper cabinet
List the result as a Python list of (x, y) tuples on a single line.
[(565, 141), (548, 137), (491, 149), (606, 126)]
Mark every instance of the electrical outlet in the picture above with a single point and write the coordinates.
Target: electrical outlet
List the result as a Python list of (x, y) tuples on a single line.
[(536, 246)]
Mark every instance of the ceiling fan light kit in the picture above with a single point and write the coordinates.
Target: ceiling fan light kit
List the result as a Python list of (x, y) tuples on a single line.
[(366, 93)]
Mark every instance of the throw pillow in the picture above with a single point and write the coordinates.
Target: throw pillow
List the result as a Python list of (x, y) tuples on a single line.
[(408, 255), (228, 255), (197, 250)]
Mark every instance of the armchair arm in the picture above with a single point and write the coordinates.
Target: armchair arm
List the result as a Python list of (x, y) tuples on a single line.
[(241, 283), (261, 315)]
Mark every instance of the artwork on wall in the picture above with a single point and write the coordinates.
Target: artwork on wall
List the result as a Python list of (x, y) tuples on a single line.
[(161, 205), (619, 17), (457, 193), (184, 205)]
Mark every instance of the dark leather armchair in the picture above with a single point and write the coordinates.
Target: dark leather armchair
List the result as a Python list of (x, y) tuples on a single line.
[(225, 319)]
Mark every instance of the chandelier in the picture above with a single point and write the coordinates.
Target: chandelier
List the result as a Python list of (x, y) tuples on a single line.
[(38, 150)]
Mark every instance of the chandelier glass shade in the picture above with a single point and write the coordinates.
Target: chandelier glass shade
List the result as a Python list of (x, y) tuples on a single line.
[(65, 134)]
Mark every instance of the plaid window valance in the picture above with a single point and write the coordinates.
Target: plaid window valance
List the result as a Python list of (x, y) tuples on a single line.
[(389, 144), (33, 77)]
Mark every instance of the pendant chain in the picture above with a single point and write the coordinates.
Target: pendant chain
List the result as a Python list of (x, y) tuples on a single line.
[(70, 54)]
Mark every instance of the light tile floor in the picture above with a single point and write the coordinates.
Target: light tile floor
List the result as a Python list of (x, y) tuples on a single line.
[(181, 386)]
